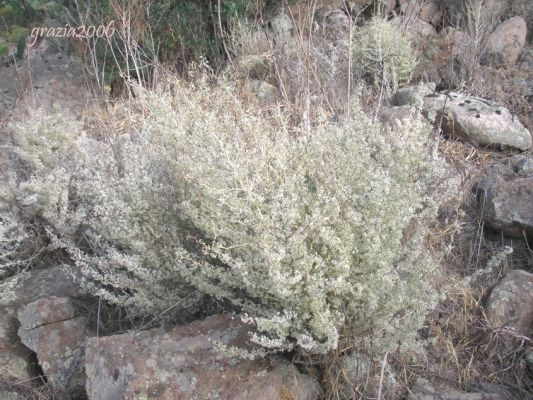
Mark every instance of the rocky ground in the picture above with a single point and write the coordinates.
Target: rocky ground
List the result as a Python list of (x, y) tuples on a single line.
[(51, 335)]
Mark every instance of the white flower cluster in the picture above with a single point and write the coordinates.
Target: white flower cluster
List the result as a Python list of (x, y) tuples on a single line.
[(312, 235)]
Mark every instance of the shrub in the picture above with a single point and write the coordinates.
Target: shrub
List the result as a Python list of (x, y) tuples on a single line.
[(307, 234), (153, 32), (383, 53)]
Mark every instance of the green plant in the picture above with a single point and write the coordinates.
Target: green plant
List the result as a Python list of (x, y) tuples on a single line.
[(304, 234), (149, 33), (383, 53)]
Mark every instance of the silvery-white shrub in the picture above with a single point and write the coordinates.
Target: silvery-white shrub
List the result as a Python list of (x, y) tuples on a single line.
[(311, 235)]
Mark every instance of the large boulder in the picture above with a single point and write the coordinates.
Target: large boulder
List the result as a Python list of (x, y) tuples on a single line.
[(49, 326), (511, 302), (506, 43), (479, 121), (194, 361), (508, 207)]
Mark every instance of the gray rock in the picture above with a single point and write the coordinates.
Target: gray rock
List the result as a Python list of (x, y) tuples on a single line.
[(479, 121), (392, 115), (523, 165), (264, 92), (358, 370), (413, 95), (506, 43), (11, 395), (430, 12), (423, 390), (49, 78), (49, 327), (421, 32), (508, 207), (455, 9), (511, 302), (526, 59), (15, 293), (187, 362), (482, 188), (425, 71), (447, 53), (332, 21)]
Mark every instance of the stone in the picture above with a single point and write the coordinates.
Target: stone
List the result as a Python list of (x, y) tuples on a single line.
[(476, 120), (46, 311), (392, 115), (358, 370), (264, 92), (523, 165), (423, 390), (188, 362), (508, 207), (510, 302), (428, 11), (482, 188), (506, 43), (49, 327), (413, 95), (15, 293), (526, 59), (421, 33), (426, 72), (456, 9), (334, 23), (44, 78), (11, 395)]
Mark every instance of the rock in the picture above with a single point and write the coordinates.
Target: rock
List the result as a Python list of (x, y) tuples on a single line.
[(522, 84), (391, 115), (11, 395), (186, 362), (421, 33), (438, 50), (456, 9), (479, 121), (523, 165), (46, 311), (423, 390), (511, 302), (526, 59), (264, 92), (368, 7), (357, 370), (413, 95), (425, 71), (49, 327), (334, 23), (408, 7), (45, 77), (15, 293), (506, 43), (508, 207), (481, 188), (429, 12)]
